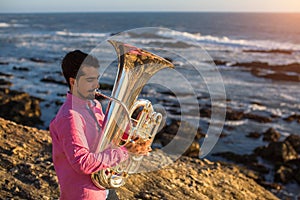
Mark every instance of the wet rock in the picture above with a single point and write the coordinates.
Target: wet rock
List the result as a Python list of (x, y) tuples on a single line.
[(220, 62), (188, 135), (234, 115), (4, 63), (279, 76), (205, 112), (38, 60), (279, 152), (277, 51), (193, 151), (6, 75), (283, 174), (173, 127), (50, 79), (258, 118), (294, 117), (292, 67), (4, 82), (105, 86), (236, 157), (21, 68), (247, 160), (294, 140), (255, 135), (271, 135), (274, 72), (20, 107)]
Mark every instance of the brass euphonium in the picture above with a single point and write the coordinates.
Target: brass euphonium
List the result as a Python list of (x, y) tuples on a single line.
[(136, 66)]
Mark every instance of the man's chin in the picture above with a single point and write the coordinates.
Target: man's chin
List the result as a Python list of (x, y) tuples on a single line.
[(91, 95)]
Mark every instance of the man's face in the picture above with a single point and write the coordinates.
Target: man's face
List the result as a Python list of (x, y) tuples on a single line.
[(85, 85)]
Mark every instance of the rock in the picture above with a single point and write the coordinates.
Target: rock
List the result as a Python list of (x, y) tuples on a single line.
[(271, 135), (21, 148), (234, 115), (274, 72), (277, 152), (105, 86), (188, 135), (189, 178), (294, 117), (4, 63), (38, 60), (220, 62), (294, 140), (4, 82), (205, 112), (236, 157), (297, 176), (193, 151), (279, 76), (32, 175), (21, 68), (6, 75), (294, 166), (277, 51), (255, 135), (20, 107), (258, 118), (283, 174), (50, 79)]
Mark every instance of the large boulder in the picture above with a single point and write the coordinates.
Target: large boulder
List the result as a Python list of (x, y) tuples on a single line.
[(20, 107), (279, 152)]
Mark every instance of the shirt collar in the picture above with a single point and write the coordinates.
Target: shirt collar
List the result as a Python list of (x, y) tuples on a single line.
[(76, 101)]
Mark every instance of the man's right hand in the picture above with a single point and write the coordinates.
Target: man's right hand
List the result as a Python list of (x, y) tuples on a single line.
[(138, 146)]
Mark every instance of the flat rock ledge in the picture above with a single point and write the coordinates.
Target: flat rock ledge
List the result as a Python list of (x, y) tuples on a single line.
[(190, 178), (27, 172)]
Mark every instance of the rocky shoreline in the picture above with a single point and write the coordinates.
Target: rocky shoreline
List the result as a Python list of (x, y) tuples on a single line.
[(27, 170), (281, 156), (284, 72)]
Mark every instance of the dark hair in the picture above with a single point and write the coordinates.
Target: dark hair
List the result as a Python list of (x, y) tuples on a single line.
[(72, 62)]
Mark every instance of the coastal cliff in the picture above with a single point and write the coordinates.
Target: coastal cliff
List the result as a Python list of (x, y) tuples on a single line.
[(27, 172)]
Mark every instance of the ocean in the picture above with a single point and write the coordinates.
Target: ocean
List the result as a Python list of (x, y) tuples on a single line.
[(32, 46)]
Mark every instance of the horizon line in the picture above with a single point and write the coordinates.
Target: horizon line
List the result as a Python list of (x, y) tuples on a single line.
[(150, 11)]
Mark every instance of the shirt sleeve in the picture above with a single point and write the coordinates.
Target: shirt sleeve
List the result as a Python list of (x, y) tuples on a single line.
[(76, 150)]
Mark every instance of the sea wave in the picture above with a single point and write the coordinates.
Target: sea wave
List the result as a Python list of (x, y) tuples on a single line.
[(226, 41), (6, 25), (67, 33)]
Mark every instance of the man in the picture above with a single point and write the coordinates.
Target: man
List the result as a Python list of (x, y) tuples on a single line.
[(76, 131)]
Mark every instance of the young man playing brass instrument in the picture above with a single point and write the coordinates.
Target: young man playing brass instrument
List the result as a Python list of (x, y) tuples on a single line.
[(76, 131)]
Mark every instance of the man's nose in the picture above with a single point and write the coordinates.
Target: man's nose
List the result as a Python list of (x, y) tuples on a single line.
[(97, 84)]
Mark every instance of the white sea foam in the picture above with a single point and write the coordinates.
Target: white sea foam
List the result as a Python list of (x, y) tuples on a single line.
[(251, 44), (235, 123), (67, 33), (6, 25)]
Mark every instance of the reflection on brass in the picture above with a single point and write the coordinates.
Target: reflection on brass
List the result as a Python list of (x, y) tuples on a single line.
[(136, 66)]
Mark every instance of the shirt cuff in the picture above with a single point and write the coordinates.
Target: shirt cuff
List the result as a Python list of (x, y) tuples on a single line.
[(124, 151)]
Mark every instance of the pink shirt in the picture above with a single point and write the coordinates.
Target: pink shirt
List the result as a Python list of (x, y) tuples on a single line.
[(75, 135)]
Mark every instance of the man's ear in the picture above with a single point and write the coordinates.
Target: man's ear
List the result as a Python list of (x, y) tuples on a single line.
[(72, 81)]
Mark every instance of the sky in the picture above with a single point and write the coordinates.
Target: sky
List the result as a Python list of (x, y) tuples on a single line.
[(33, 6)]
